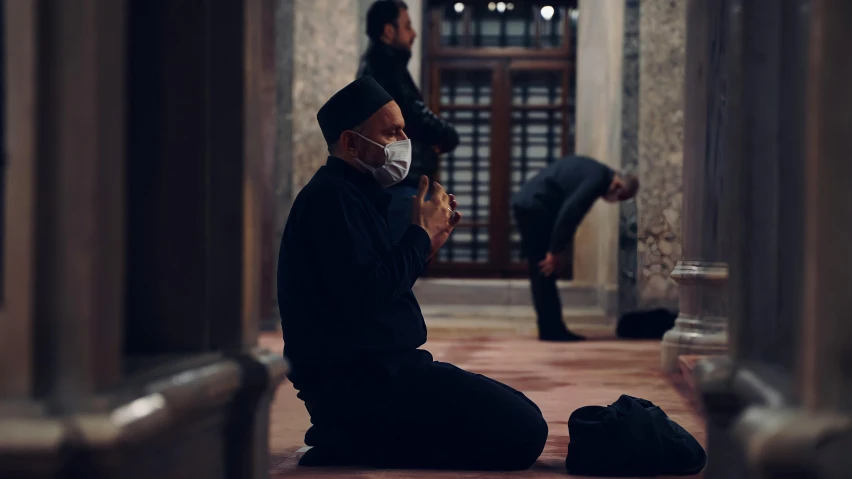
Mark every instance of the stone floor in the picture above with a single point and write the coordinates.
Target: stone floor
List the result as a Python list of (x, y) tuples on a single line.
[(558, 377)]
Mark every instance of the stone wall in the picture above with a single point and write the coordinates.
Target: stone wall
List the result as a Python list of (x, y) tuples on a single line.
[(325, 59), (661, 68)]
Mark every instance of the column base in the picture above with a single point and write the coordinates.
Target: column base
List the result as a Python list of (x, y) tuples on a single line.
[(692, 336), (701, 328)]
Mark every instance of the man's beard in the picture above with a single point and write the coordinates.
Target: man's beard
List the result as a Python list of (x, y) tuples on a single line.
[(397, 43)]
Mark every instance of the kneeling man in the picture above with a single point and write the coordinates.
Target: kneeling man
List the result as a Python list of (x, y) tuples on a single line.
[(352, 326)]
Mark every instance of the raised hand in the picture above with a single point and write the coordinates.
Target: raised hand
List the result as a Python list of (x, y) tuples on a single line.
[(436, 215), (439, 240), (432, 215)]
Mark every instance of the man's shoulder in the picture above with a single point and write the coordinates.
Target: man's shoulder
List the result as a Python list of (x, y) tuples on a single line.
[(323, 187)]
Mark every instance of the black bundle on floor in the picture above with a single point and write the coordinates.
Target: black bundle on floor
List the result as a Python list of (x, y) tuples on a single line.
[(648, 324), (630, 437)]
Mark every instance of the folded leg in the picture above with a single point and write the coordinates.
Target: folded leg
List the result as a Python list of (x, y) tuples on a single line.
[(442, 417)]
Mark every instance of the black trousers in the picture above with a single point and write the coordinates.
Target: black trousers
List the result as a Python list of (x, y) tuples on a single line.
[(536, 229), (428, 415)]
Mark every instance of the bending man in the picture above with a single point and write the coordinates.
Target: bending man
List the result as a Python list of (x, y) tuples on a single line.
[(352, 327), (548, 210)]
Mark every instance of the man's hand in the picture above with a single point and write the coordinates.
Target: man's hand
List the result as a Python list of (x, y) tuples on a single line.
[(435, 216), (552, 264), (439, 240)]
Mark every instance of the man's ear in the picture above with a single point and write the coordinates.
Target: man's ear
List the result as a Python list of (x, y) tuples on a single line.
[(347, 143), (389, 32)]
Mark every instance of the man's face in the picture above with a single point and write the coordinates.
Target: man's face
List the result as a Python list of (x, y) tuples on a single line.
[(384, 127), (403, 35), (613, 194)]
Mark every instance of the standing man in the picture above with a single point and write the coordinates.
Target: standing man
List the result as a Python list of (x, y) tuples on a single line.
[(548, 210), (386, 60)]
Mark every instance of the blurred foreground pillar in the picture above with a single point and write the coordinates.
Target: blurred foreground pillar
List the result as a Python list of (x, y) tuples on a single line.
[(701, 327), (780, 405), (132, 264)]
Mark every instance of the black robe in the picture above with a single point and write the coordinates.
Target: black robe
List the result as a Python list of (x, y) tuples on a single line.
[(344, 287)]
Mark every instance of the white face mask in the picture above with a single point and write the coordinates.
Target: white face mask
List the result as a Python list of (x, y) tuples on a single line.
[(397, 162)]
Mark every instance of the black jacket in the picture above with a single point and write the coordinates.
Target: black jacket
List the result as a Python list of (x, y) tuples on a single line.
[(344, 286), (389, 66), (564, 192)]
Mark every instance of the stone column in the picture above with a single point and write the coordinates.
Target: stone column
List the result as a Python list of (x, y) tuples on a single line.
[(627, 244), (129, 321), (600, 43), (661, 63), (824, 371), (780, 402), (701, 327), (325, 59)]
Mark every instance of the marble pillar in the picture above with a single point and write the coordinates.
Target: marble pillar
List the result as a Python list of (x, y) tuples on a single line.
[(701, 326), (325, 59), (825, 371), (627, 240), (781, 403), (168, 378), (600, 42), (661, 72)]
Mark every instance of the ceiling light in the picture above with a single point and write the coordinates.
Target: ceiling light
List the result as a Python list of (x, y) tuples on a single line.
[(501, 7), (458, 7), (492, 6), (575, 14), (547, 12), (510, 6)]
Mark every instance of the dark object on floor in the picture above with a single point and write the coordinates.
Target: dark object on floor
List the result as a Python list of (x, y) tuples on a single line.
[(631, 437), (650, 324)]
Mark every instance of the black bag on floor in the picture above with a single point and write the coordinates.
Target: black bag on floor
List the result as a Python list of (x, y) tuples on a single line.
[(650, 324), (631, 437)]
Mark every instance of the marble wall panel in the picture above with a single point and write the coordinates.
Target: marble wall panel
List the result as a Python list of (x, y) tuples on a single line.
[(661, 76), (325, 59)]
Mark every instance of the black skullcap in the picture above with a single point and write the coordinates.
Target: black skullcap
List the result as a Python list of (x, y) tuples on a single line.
[(350, 106)]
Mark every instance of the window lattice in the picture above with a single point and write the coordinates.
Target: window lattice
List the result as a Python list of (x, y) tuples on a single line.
[(465, 100), (538, 116)]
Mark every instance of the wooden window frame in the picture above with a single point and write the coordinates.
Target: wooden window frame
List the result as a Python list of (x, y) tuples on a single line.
[(502, 66), (433, 12)]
